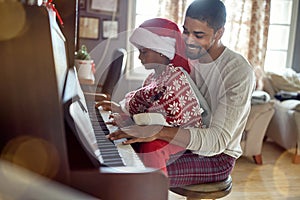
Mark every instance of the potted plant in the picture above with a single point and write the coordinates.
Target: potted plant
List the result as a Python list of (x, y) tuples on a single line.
[(85, 66)]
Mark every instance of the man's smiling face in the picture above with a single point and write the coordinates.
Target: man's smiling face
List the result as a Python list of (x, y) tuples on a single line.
[(199, 38)]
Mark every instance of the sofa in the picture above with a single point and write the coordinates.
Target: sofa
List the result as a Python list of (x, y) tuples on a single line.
[(261, 113), (284, 127)]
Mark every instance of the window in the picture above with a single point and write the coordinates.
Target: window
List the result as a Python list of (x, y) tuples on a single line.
[(280, 40), (281, 34), (145, 9), (141, 11)]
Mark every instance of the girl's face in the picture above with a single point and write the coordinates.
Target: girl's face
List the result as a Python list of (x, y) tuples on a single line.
[(151, 59)]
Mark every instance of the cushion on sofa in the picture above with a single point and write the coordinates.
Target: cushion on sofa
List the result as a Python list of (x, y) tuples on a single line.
[(256, 110), (291, 104), (287, 80)]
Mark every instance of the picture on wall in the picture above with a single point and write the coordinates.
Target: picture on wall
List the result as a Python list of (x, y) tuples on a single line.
[(89, 27), (105, 6), (110, 29)]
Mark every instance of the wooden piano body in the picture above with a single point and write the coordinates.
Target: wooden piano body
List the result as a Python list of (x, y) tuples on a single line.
[(34, 132)]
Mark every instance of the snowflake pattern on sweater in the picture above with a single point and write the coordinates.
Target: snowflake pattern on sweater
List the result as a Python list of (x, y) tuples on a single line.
[(169, 94)]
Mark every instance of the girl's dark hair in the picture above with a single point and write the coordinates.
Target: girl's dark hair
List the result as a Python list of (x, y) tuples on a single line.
[(211, 11)]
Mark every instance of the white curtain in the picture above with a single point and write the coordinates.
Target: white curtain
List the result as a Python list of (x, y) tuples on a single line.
[(173, 10), (247, 28)]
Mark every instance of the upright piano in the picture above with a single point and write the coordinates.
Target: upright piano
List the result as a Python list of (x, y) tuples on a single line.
[(49, 127)]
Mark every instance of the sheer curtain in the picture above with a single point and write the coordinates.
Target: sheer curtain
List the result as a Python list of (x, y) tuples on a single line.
[(173, 10), (246, 27)]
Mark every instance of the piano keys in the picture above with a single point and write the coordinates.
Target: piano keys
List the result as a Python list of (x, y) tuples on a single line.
[(112, 153), (108, 152)]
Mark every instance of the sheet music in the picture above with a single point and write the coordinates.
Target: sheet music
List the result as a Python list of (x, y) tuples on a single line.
[(84, 126), (79, 113), (59, 51)]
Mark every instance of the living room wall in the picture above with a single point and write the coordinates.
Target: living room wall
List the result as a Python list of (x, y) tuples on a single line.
[(99, 46)]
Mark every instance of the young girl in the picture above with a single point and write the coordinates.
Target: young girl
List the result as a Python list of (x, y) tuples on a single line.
[(168, 96)]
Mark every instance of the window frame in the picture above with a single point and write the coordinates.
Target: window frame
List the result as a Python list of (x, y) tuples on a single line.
[(291, 40), (131, 73), (292, 36)]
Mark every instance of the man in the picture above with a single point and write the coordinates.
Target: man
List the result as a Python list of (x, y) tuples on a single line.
[(226, 80)]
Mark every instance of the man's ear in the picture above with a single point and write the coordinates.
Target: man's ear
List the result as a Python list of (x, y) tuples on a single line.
[(219, 33)]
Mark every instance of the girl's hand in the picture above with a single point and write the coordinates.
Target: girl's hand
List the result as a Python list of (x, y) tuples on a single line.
[(120, 120), (136, 133), (109, 106)]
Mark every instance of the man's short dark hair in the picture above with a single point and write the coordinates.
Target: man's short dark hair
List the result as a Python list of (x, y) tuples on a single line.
[(211, 11)]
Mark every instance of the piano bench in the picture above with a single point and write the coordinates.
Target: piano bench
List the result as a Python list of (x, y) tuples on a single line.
[(205, 191)]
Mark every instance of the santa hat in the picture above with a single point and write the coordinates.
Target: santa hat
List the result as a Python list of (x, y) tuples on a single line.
[(163, 36)]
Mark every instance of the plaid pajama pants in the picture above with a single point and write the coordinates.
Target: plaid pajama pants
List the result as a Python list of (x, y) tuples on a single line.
[(182, 166), (189, 168)]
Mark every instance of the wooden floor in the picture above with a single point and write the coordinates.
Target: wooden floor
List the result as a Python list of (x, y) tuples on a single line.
[(277, 178)]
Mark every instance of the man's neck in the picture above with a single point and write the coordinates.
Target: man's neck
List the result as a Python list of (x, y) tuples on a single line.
[(212, 53)]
